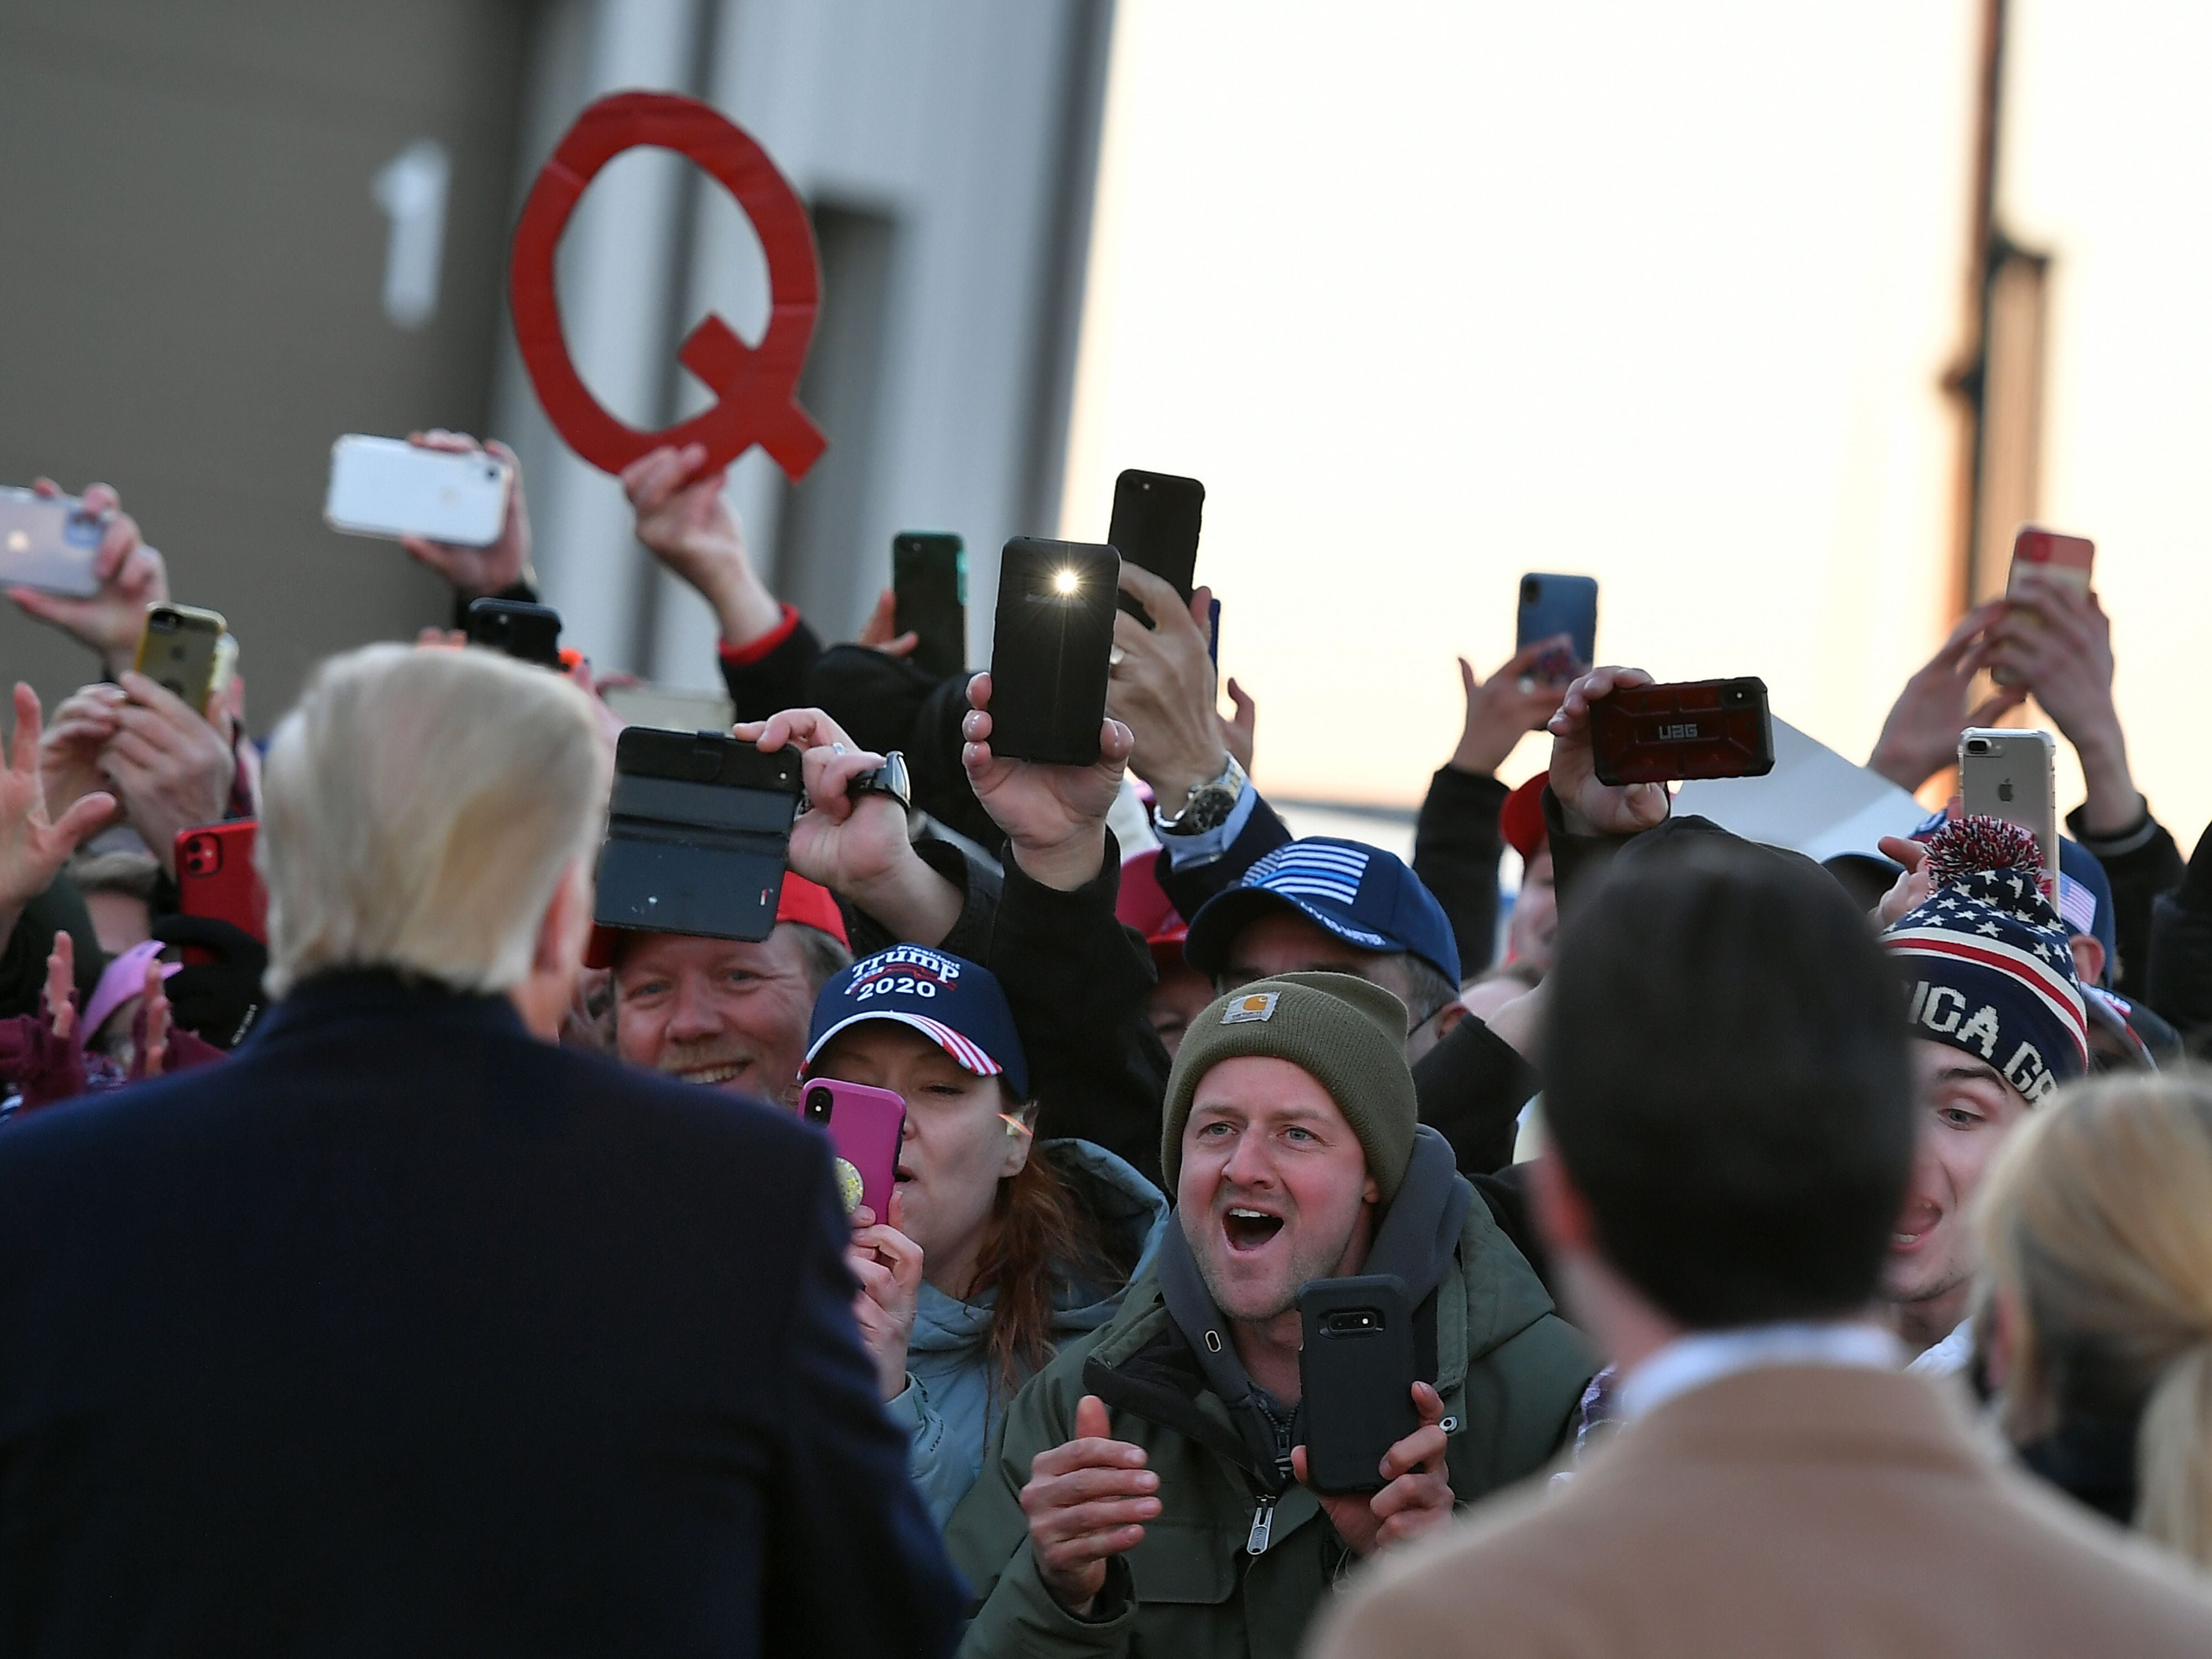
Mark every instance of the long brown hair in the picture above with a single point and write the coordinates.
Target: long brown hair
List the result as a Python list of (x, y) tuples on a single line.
[(1040, 1238), (2097, 1223)]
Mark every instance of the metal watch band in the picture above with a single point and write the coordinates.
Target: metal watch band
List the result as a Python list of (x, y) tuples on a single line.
[(1207, 806)]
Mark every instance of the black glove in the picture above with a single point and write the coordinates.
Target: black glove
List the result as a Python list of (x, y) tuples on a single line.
[(218, 1001)]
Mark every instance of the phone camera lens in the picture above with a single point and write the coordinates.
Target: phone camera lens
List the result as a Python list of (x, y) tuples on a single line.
[(1531, 591), (817, 1106), (1978, 745)]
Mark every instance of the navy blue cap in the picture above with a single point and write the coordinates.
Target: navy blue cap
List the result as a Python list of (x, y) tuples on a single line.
[(1362, 894), (954, 1003), (2085, 899)]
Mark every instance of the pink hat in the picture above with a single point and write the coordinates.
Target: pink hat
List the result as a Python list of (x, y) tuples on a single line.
[(124, 979)]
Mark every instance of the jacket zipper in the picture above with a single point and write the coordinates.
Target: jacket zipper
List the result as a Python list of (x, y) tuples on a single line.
[(1263, 1523)]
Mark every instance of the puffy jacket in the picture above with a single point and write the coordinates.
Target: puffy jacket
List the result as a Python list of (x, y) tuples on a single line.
[(952, 1405), (1511, 1374)]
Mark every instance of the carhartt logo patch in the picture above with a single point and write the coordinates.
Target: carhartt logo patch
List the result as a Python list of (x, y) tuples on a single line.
[(1250, 1011)]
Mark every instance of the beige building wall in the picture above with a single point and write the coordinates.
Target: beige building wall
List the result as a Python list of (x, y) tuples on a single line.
[(1431, 295)]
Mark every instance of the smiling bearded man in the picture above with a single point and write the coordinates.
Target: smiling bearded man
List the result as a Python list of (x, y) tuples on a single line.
[(1156, 1469)]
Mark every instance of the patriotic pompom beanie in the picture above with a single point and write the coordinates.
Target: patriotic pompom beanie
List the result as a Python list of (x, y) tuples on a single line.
[(1985, 961)]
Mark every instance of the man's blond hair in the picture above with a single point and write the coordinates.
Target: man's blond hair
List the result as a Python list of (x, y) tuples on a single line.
[(420, 807)]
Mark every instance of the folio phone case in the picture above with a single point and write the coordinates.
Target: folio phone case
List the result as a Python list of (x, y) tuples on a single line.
[(865, 1126), (929, 600), (1357, 1370), (1049, 649), (1552, 606), (1692, 729), (215, 877), (697, 832)]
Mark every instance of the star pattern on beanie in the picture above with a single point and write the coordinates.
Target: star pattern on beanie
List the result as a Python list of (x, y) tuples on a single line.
[(1988, 966)]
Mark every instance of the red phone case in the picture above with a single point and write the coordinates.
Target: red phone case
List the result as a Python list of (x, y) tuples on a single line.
[(1692, 729), (215, 877), (2076, 553), (865, 1126)]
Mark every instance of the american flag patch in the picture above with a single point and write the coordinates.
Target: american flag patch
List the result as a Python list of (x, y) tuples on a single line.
[(1302, 869), (2077, 904)]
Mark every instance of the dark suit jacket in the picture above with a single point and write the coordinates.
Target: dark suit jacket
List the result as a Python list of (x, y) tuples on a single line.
[(401, 1332)]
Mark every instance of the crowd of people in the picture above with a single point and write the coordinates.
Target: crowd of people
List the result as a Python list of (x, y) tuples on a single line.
[(1798, 1258)]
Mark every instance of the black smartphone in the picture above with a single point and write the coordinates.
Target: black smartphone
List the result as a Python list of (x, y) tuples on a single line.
[(929, 596), (1552, 606), (1691, 729), (528, 633), (1357, 1371), (1154, 527), (1049, 649), (698, 831)]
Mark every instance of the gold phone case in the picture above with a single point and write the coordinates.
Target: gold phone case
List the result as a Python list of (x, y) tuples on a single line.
[(179, 649)]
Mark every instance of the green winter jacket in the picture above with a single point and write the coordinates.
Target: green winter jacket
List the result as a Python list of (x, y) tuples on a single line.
[(1511, 1373)]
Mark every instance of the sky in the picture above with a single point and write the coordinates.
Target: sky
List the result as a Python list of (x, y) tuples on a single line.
[(1433, 295)]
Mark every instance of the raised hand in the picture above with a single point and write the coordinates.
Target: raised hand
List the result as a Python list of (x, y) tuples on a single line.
[(2054, 640), (172, 768), (1920, 738), (1087, 1500), (1417, 1497), (1238, 729), (1913, 885), (856, 847), (880, 631), (61, 986), (131, 576), (1055, 817), (478, 572), (888, 1264), (34, 846), (70, 751), (685, 522), (1591, 807), (1505, 708), (1162, 688)]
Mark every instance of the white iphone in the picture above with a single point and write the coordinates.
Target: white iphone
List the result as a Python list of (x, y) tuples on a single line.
[(2013, 775), (388, 487)]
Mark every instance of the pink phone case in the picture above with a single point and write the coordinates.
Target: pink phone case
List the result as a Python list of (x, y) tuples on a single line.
[(866, 1125)]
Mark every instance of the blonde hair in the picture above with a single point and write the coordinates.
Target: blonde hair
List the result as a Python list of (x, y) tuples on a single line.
[(419, 808), (2096, 1223)]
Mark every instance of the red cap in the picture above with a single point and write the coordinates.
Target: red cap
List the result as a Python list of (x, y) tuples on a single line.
[(807, 902), (1521, 820), (1143, 904)]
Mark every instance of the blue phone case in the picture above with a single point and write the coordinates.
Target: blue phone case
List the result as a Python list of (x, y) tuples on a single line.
[(1552, 604)]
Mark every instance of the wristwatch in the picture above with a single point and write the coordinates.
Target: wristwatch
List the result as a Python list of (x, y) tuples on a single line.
[(1207, 806), (889, 779)]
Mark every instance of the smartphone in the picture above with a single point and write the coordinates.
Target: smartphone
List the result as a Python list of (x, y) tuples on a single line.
[(1154, 527), (929, 598), (1357, 1371), (528, 633), (1552, 606), (215, 877), (671, 708), (2066, 557), (180, 647), (865, 1126), (48, 542), (697, 833), (1694, 729), (389, 487), (1051, 642), (2013, 775)]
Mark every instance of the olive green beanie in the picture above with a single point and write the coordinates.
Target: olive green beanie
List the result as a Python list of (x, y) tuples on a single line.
[(1349, 1035)]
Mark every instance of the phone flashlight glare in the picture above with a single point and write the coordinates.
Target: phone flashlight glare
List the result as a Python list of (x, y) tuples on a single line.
[(1065, 581)]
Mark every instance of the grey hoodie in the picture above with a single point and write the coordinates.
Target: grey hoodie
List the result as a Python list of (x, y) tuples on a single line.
[(952, 1407)]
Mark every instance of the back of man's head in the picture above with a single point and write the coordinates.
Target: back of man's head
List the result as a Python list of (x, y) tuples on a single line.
[(1726, 1081), (420, 808)]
